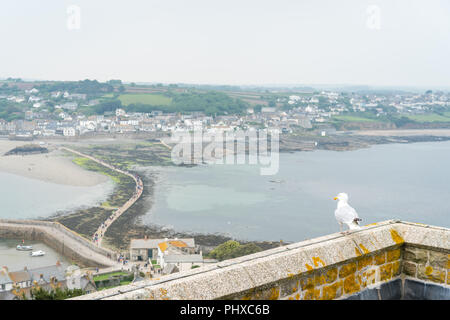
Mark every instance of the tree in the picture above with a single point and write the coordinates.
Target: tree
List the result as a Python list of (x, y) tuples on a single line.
[(233, 249), (223, 250), (38, 293)]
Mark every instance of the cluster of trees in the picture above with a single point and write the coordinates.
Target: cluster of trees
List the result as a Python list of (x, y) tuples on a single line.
[(10, 111), (233, 249), (90, 87), (109, 105), (7, 89), (39, 293), (211, 103)]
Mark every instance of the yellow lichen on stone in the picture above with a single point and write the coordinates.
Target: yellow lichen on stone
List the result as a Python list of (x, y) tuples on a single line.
[(364, 262), (308, 267), (274, 293), (364, 249), (332, 291), (331, 275), (312, 294), (351, 285), (371, 224), (319, 279), (357, 252), (347, 269), (396, 237), (369, 277), (307, 283), (393, 255), (317, 260), (297, 296), (432, 274), (380, 258), (428, 270), (386, 272), (396, 268)]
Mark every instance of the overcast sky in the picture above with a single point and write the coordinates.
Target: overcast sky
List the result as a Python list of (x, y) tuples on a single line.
[(378, 42)]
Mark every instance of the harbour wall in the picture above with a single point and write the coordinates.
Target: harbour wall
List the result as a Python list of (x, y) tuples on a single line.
[(65, 241)]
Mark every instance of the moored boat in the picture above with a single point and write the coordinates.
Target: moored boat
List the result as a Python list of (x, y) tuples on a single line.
[(38, 253), (24, 248)]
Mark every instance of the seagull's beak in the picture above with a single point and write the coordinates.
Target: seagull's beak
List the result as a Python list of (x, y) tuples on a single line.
[(335, 198)]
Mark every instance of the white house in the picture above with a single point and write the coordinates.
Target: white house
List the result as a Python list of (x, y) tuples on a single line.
[(69, 132), (120, 112)]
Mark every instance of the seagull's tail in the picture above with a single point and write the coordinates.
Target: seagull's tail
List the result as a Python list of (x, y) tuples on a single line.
[(354, 225)]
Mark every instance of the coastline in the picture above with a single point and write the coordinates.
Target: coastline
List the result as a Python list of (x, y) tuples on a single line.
[(130, 226)]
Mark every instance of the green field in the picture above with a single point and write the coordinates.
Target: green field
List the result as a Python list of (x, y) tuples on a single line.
[(151, 99), (433, 117), (353, 119)]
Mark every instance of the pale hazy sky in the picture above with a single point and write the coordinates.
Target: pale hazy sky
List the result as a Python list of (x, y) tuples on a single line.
[(229, 41)]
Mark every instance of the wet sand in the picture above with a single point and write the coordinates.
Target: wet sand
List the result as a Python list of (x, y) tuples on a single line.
[(55, 166)]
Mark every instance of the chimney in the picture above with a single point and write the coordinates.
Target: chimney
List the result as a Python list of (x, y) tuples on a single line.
[(25, 269), (58, 264)]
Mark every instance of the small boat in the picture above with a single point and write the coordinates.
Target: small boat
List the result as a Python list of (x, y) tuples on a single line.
[(24, 248), (38, 253)]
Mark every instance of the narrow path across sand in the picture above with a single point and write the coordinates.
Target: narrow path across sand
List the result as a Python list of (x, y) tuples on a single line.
[(97, 237)]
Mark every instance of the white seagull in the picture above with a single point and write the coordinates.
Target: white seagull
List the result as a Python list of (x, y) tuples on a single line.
[(344, 213)]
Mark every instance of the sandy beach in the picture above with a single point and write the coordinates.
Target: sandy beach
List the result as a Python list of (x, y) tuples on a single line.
[(55, 166)]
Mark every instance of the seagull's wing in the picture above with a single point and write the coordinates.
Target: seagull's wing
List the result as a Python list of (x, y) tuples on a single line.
[(345, 214)]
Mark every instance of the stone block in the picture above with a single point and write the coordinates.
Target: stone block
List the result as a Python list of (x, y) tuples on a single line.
[(438, 259), (347, 269), (288, 286), (393, 255), (417, 255), (386, 272), (364, 262), (332, 291), (312, 294), (307, 282), (429, 273), (409, 268), (351, 284), (380, 258)]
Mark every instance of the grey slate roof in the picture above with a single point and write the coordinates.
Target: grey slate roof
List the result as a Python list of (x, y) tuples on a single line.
[(47, 273), (183, 258)]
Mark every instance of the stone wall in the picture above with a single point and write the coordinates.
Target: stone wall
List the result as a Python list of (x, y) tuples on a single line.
[(332, 267), (426, 264)]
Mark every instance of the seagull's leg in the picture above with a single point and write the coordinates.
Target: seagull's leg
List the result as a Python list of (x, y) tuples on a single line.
[(340, 228)]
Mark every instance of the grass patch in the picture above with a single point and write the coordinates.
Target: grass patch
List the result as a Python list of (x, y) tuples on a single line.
[(122, 283), (151, 99), (430, 117), (348, 118), (106, 276)]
